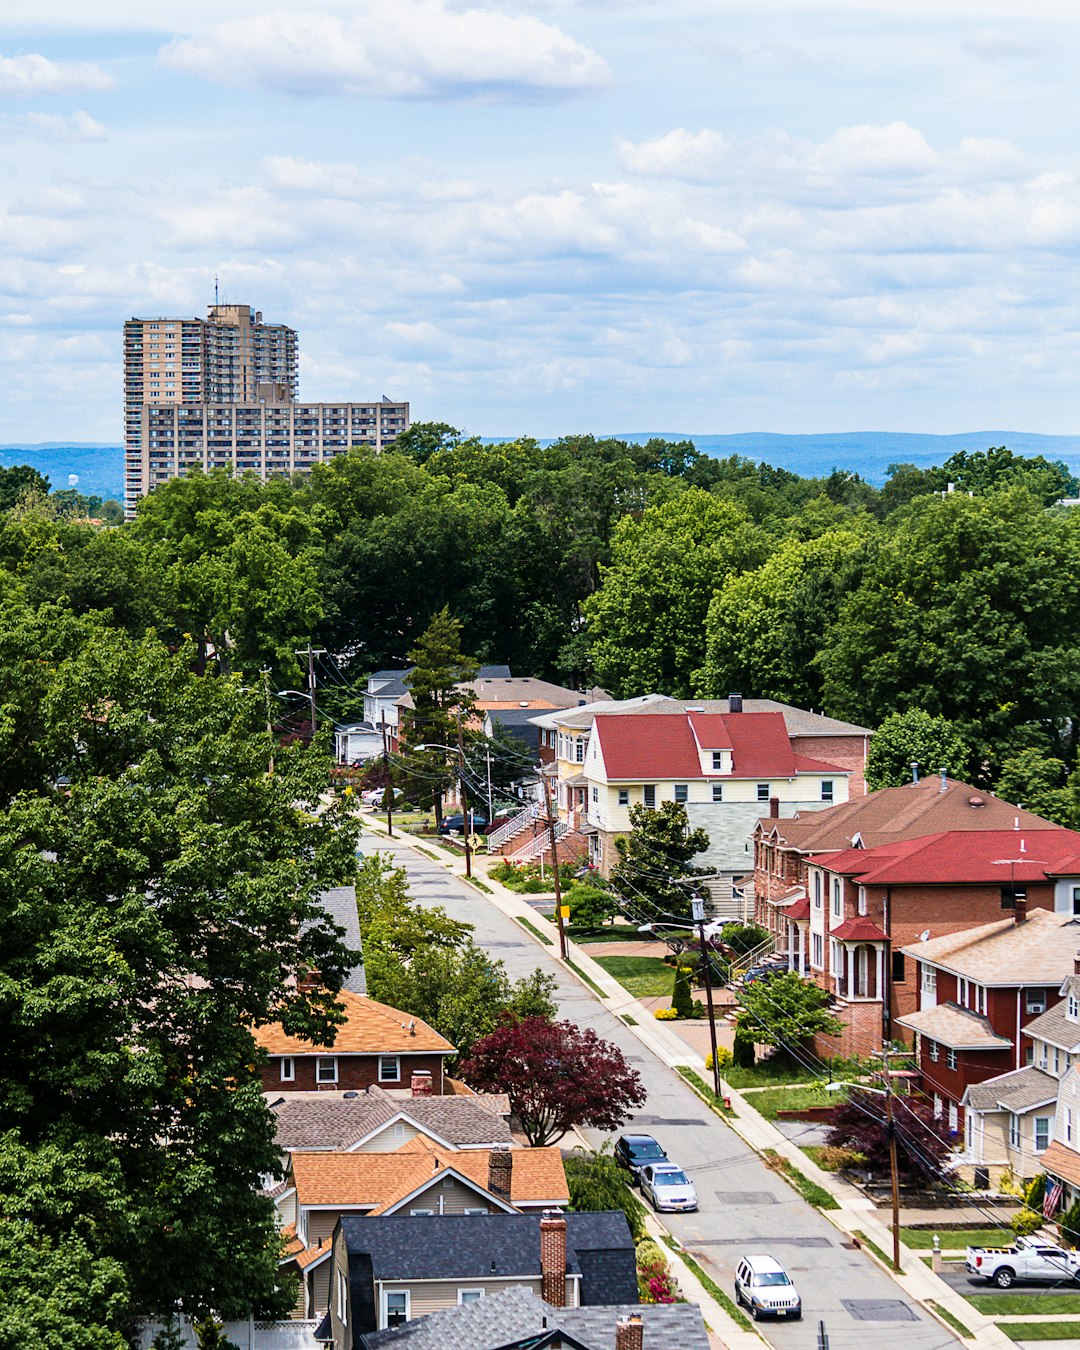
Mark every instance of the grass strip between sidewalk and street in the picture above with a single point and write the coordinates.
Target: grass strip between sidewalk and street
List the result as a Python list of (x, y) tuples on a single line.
[(872, 1246), (710, 1286), (810, 1191), (1039, 1331), (426, 853), (481, 885), (955, 1239), (1007, 1305), (535, 931), (946, 1316), (582, 976), (705, 1091)]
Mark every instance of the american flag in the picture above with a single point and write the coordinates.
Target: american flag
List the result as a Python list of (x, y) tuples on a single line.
[(1052, 1199)]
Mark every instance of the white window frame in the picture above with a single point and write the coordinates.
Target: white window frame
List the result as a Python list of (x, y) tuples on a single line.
[(648, 790), (962, 992), (862, 900), (624, 796), (395, 1077), (1073, 1008), (927, 978), (1034, 1001), (1068, 1124), (1045, 1133), (320, 1062), (476, 1213), (385, 1305), (950, 1058), (980, 998), (763, 792), (933, 1050), (342, 1298), (1014, 1130), (596, 794), (937, 1106), (718, 792), (718, 762), (422, 1213), (399, 1129), (827, 790), (684, 790), (954, 1117), (837, 898), (817, 951), (817, 890), (467, 1296), (287, 1068)]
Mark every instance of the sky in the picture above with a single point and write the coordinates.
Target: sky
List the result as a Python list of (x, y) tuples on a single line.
[(551, 216)]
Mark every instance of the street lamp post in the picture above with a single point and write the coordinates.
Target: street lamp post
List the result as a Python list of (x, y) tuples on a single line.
[(697, 911)]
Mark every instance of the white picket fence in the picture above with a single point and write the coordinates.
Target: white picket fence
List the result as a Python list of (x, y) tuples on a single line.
[(249, 1335)]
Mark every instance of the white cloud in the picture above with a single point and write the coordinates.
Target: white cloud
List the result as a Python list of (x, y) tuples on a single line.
[(78, 126), (693, 156), (895, 149), (998, 44), (33, 74), (394, 49)]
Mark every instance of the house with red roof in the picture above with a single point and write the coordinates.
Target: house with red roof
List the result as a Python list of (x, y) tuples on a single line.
[(866, 908), (724, 767)]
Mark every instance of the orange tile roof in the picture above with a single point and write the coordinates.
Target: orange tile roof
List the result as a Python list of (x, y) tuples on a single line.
[(382, 1180), (369, 1028)]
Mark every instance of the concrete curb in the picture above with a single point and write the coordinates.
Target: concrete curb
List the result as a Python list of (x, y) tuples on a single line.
[(856, 1212)]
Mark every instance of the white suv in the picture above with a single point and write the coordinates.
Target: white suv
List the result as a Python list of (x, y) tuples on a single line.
[(765, 1287)]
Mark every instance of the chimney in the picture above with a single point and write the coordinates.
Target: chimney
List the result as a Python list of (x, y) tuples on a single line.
[(553, 1260), (944, 780), (1076, 962), (1020, 900), (421, 1082), (774, 807), (500, 1172), (914, 770), (629, 1332), (734, 703)]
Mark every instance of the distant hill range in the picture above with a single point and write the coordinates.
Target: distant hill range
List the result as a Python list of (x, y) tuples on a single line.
[(100, 468)]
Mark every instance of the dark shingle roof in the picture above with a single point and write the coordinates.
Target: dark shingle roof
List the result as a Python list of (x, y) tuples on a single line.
[(457, 1246), (516, 1316), (340, 904), (337, 1122)]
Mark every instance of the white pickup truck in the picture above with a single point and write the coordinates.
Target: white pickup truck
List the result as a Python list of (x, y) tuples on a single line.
[(1026, 1260)]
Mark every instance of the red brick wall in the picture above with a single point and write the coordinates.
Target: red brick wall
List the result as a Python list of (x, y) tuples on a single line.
[(846, 752), (860, 1036), (355, 1072)]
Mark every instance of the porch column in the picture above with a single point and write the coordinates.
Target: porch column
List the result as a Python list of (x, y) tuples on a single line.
[(879, 988)]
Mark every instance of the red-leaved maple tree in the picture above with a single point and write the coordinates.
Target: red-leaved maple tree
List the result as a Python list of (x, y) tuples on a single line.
[(557, 1075)]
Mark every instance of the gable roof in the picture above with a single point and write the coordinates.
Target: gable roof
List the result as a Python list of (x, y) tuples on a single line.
[(1040, 950), (956, 1027), (517, 1318), (369, 1028), (1019, 1091), (959, 857), (800, 722), (459, 1246), (892, 814), (505, 691), (382, 1180), (333, 1121), (339, 904), (1055, 1025), (388, 683)]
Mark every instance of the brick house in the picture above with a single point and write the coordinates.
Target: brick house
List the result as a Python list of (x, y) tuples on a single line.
[(867, 905), (978, 991), (375, 1044)]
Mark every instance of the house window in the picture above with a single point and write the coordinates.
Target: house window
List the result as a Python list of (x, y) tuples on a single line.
[(933, 1050), (624, 796), (862, 899), (326, 1069), (962, 993), (1057, 1061), (837, 901), (826, 790), (1042, 1133), (579, 751), (954, 1117), (596, 794), (1076, 901), (465, 1296), (342, 1297), (1035, 1000), (682, 792), (817, 890), (288, 1069), (1068, 1124), (1029, 1054), (1044, 1055), (1014, 1130), (475, 1212), (763, 792), (929, 980), (899, 974), (817, 950), (836, 958), (980, 998), (718, 764), (1074, 1008), (399, 1130), (649, 794), (395, 1307), (389, 1069), (950, 1057), (718, 792), (422, 1213), (937, 1107)]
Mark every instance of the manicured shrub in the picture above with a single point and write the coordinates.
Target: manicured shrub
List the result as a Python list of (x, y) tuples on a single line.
[(1025, 1223), (742, 1055), (723, 1054), (682, 1000)]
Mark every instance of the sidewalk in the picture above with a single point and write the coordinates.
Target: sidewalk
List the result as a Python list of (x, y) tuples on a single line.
[(856, 1215)]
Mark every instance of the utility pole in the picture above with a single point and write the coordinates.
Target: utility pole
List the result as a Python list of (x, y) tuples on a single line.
[(697, 909), (465, 821), (553, 844), (388, 787), (491, 800), (311, 653), (890, 1125)]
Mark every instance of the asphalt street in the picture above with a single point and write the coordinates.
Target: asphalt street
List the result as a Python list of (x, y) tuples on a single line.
[(744, 1207)]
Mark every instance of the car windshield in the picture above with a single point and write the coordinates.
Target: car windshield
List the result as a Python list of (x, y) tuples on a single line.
[(646, 1148), (771, 1277), (671, 1179)]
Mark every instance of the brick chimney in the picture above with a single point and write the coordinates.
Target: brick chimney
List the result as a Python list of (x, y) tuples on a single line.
[(774, 807), (421, 1083), (629, 1332), (500, 1173), (553, 1260), (1020, 912), (1076, 962)]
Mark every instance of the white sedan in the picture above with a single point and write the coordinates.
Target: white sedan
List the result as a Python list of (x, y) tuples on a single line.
[(667, 1186)]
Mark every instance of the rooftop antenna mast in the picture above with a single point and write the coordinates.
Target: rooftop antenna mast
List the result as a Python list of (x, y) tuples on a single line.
[(215, 290)]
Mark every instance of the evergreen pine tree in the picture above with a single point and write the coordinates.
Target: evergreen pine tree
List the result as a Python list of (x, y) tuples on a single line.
[(442, 706)]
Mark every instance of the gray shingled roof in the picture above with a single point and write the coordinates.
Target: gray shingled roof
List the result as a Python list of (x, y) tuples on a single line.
[(332, 1121), (340, 904), (1054, 1024), (474, 1246), (1017, 1091), (517, 1315)]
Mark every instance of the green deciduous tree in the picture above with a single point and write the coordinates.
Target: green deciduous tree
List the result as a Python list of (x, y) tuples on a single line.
[(1037, 782), (785, 1011), (915, 736), (647, 619), (597, 1182), (653, 859)]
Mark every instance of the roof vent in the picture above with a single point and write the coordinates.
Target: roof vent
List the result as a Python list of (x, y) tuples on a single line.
[(700, 710), (976, 802), (524, 703), (350, 1095)]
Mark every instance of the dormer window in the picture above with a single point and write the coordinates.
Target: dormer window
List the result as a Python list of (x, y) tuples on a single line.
[(718, 761), (1073, 1011)]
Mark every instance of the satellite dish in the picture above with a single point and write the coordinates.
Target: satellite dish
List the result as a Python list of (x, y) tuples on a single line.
[(924, 936)]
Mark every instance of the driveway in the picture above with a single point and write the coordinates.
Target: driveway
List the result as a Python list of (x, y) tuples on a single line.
[(744, 1206)]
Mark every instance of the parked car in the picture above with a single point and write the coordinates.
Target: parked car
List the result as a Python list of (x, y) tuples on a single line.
[(667, 1187), (1026, 1259), (478, 823), (756, 973), (375, 796), (764, 1287), (635, 1151)]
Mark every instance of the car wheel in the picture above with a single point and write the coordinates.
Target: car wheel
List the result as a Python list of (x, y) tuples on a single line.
[(755, 1313), (1004, 1278)]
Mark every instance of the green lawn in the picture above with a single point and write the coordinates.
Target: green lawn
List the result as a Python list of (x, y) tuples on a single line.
[(922, 1239), (1040, 1331), (768, 1101), (1005, 1305), (642, 976), (619, 932)]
